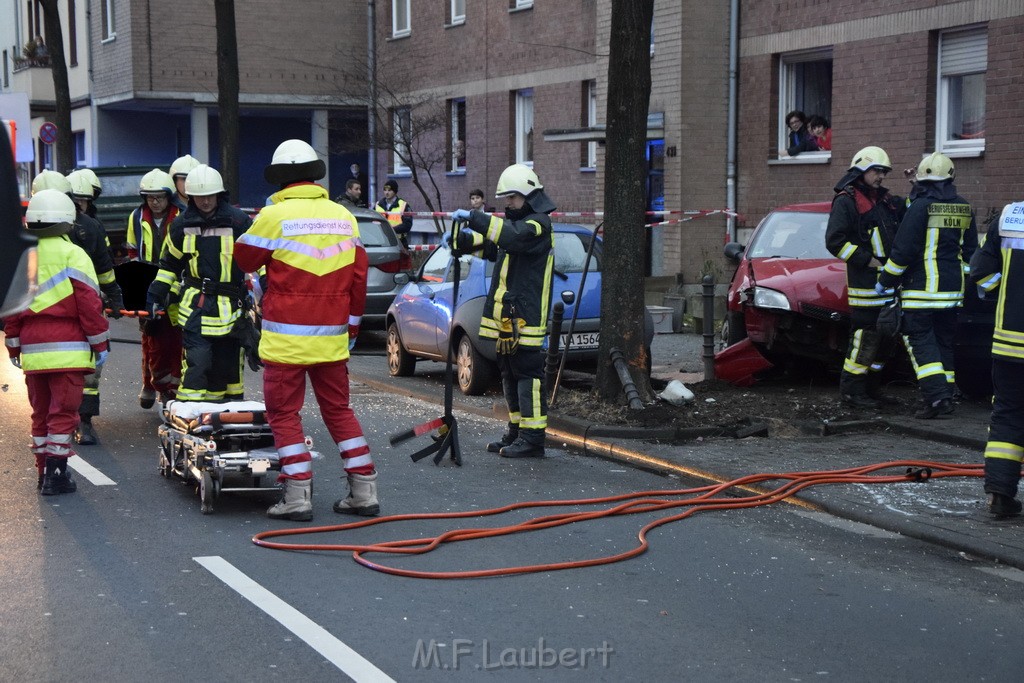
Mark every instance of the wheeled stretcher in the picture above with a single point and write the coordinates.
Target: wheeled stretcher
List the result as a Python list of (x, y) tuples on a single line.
[(219, 446)]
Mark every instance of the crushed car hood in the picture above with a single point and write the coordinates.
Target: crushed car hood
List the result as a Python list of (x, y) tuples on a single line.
[(818, 282)]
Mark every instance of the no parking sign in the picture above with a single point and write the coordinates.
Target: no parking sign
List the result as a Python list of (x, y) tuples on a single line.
[(48, 132)]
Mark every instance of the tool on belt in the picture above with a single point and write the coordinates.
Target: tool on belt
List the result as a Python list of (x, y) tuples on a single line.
[(508, 333)]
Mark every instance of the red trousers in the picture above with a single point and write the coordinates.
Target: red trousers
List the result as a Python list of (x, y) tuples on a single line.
[(161, 356), (284, 390), (55, 398)]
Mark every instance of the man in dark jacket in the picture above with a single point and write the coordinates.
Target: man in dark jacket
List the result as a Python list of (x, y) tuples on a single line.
[(860, 230), (929, 257), (516, 309)]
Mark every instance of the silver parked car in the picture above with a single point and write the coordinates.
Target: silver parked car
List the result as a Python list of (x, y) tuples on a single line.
[(387, 259)]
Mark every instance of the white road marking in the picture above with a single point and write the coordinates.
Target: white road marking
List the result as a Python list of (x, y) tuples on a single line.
[(95, 477), (845, 524), (335, 651), (1004, 573)]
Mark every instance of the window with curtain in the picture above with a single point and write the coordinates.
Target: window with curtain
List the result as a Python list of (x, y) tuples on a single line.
[(524, 127), (401, 129), (401, 22), (457, 137), (805, 84), (962, 63)]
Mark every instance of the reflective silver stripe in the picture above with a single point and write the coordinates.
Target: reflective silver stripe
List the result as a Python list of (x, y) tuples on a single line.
[(354, 320), (358, 461), (300, 248), (13, 342), (56, 346), (59, 438), (294, 449), (68, 274), (304, 330), (351, 444), (97, 338), (210, 232), (298, 467)]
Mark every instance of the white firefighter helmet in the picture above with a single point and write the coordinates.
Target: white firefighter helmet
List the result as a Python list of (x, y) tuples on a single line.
[(50, 180), (517, 178), (94, 180), (294, 161), (182, 166), (50, 213), (871, 157), (81, 186), (203, 181), (935, 167), (156, 182)]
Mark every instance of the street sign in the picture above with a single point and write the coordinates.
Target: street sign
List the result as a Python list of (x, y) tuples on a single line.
[(48, 133)]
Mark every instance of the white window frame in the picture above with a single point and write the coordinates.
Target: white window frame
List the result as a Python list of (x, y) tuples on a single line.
[(524, 127), (787, 99), (108, 21), (458, 12), (401, 119), (78, 141), (591, 122), (458, 136), (962, 52), (520, 4), (401, 7)]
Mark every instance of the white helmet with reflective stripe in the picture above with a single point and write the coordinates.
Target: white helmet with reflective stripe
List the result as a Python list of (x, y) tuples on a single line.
[(81, 186), (183, 165), (517, 178), (156, 182), (935, 167), (294, 161), (871, 157), (50, 180), (50, 213), (203, 181), (94, 180)]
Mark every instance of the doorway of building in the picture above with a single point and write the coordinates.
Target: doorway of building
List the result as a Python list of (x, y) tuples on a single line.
[(655, 202)]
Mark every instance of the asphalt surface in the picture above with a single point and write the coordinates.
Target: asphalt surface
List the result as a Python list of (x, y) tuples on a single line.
[(948, 512)]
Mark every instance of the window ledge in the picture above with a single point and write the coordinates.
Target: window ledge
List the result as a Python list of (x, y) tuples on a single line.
[(976, 152), (459, 172), (805, 158), (588, 169), (515, 10), (399, 36), (460, 22), (109, 39), (400, 174)]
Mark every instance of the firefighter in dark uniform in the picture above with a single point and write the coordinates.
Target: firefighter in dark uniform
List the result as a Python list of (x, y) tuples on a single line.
[(860, 230), (198, 253), (1000, 265), (90, 236), (930, 257), (516, 309)]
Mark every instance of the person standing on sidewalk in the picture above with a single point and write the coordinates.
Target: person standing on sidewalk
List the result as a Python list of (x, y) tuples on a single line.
[(929, 257), (394, 210), (61, 337), (517, 305), (861, 227), (313, 303), (999, 265)]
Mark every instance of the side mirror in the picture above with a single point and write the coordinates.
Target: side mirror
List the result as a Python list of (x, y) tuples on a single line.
[(733, 251), (568, 297), (402, 279)]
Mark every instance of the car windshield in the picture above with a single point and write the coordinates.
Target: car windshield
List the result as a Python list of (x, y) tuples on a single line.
[(374, 233), (791, 234)]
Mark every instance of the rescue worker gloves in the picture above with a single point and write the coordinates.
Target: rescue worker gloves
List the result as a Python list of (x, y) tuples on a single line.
[(50, 213), (460, 215), (870, 157), (81, 186), (50, 180), (182, 166), (294, 161), (517, 178), (16, 361), (203, 181), (156, 182), (882, 290), (101, 358), (935, 167)]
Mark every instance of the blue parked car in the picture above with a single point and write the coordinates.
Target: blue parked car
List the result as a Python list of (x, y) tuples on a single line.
[(421, 315)]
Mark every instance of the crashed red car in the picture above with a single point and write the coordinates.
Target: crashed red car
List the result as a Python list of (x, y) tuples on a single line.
[(788, 297)]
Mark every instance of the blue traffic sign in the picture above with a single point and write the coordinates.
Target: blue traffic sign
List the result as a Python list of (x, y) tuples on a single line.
[(48, 132)]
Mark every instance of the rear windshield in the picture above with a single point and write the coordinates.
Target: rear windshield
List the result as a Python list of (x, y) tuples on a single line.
[(791, 234), (376, 233)]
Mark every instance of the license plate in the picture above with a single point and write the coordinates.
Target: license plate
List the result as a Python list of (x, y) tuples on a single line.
[(583, 340)]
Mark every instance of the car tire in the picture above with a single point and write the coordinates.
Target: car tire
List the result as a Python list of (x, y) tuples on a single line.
[(473, 372), (400, 362), (734, 329)]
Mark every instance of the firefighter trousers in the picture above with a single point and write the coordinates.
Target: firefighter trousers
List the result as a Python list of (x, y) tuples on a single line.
[(1005, 448), (211, 369), (928, 334), (522, 382)]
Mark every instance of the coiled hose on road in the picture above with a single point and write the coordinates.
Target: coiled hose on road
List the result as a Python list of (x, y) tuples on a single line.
[(700, 499)]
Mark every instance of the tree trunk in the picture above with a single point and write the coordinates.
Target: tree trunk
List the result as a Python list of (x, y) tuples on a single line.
[(64, 159), (227, 94), (625, 174)]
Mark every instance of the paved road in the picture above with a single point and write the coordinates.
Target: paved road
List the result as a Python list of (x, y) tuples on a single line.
[(128, 581)]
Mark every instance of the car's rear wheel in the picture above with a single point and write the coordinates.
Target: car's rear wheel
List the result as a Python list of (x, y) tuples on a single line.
[(473, 372), (400, 362)]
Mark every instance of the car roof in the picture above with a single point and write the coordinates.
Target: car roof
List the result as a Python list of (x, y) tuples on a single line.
[(809, 207)]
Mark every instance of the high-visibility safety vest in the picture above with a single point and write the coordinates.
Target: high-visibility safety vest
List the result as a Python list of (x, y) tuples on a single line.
[(64, 326), (999, 264), (394, 214), (315, 272), (144, 240)]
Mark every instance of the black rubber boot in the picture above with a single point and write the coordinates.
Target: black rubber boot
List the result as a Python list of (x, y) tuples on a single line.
[(57, 479), (854, 391), (530, 444), (147, 397), (85, 435), (511, 432), (933, 409), (875, 390), (1003, 506)]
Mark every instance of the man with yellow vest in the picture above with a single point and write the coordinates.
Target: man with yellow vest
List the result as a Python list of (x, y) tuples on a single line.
[(148, 227), (59, 339), (1000, 265), (394, 210), (312, 306)]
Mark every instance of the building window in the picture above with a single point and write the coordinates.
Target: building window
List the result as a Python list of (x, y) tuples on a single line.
[(401, 131), (72, 35), (78, 143), (107, 19), (401, 24), (805, 84), (524, 127), (960, 119), (589, 155), (457, 136), (7, 72), (456, 12)]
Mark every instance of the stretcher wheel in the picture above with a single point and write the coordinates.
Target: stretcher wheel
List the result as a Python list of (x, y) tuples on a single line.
[(206, 493), (165, 461)]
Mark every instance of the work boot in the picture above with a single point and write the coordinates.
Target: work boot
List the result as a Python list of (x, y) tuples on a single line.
[(932, 409), (530, 444), (147, 397), (862, 401), (511, 432), (57, 479), (875, 391), (1001, 505), (296, 501), (362, 496), (85, 435)]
